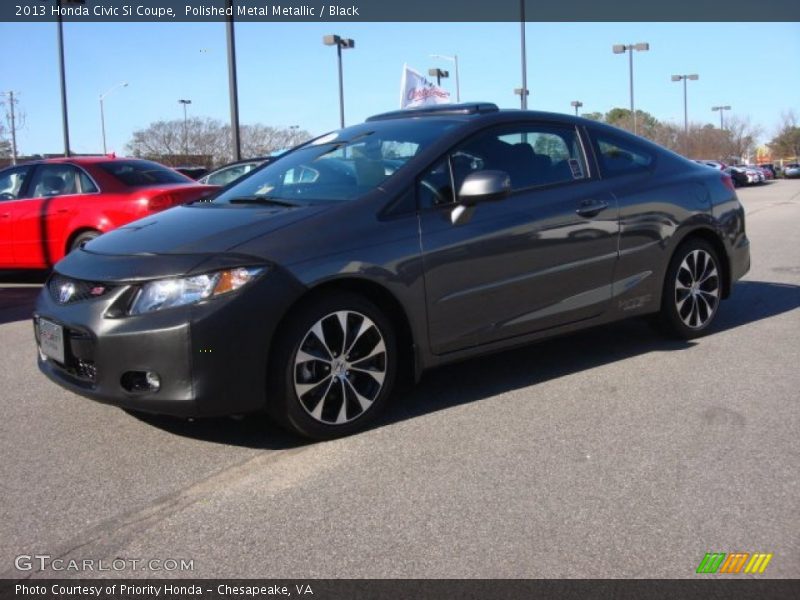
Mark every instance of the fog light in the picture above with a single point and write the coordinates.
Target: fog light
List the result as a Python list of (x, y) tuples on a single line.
[(153, 380), (141, 381)]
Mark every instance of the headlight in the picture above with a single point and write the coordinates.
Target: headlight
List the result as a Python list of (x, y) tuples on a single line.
[(169, 293)]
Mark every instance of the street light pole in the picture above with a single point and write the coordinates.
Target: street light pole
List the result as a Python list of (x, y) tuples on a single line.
[(340, 43), (453, 59), (621, 49), (523, 96), (63, 80), (577, 104), (523, 102), (721, 110), (185, 126), (233, 86), (102, 112), (685, 78), (439, 74)]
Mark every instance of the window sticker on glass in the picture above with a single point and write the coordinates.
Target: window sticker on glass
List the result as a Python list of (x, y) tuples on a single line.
[(575, 167)]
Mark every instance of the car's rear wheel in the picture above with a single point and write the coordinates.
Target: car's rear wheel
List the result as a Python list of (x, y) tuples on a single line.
[(83, 238), (692, 290), (333, 367)]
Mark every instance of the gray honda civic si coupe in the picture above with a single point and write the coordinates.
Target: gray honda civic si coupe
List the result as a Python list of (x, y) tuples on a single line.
[(309, 287)]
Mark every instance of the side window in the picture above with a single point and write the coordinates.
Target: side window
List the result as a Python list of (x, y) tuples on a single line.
[(54, 180), (532, 155), (435, 187), (620, 157), (226, 176), (12, 182), (87, 185)]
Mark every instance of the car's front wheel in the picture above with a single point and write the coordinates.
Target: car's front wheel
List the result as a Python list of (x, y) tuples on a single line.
[(333, 367), (83, 239), (692, 290)]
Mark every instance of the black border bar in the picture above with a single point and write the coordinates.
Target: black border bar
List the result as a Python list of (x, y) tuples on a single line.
[(702, 588), (166, 11)]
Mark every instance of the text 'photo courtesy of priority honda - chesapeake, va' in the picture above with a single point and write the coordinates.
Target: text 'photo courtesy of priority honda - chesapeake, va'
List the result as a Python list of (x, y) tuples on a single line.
[(399, 300)]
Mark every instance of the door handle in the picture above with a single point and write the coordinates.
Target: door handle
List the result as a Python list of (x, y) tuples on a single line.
[(589, 208)]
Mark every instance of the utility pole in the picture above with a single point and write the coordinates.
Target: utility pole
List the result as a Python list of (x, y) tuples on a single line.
[(523, 95), (63, 80), (622, 49), (11, 101), (340, 43), (233, 86), (185, 126)]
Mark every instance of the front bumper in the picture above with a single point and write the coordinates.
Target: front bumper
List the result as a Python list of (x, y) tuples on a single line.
[(211, 357)]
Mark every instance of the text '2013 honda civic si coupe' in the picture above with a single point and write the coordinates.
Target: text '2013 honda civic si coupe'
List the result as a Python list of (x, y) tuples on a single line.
[(412, 240)]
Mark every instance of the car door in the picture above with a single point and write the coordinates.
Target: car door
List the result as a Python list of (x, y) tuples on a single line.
[(539, 258), (39, 223), (13, 185)]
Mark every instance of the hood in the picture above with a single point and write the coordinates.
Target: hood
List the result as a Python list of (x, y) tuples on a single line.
[(197, 229), (180, 241)]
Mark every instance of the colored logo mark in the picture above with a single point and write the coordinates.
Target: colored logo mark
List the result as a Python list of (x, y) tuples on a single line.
[(733, 563)]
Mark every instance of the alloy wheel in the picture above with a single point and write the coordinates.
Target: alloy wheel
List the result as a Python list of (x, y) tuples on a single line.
[(697, 289), (340, 367)]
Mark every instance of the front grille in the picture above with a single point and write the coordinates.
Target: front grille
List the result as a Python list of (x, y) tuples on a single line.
[(65, 290), (86, 370)]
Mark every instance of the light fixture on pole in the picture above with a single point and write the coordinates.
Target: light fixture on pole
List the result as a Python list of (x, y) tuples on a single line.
[(685, 78), (439, 74), (340, 43), (523, 102), (721, 110), (102, 113), (621, 49), (185, 126), (453, 59), (577, 104)]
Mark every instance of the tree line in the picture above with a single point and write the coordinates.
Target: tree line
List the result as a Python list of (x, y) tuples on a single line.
[(736, 142), (209, 141)]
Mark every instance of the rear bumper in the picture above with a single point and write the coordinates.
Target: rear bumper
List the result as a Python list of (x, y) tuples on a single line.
[(211, 358), (740, 259)]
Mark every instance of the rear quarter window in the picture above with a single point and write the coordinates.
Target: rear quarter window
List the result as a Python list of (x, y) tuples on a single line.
[(621, 157)]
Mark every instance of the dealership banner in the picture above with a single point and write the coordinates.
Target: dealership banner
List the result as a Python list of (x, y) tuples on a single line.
[(416, 90), (166, 11)]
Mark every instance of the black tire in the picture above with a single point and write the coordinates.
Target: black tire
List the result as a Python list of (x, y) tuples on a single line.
[(692, 290), (313, 413), (83, 238)]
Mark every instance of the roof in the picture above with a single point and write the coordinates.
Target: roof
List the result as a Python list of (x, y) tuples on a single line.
[(438, 110), (82, 159)]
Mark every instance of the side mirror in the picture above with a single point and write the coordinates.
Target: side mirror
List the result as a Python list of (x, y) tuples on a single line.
[(483, 186)]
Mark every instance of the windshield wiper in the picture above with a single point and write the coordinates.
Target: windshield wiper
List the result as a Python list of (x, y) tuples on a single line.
[(262, 200)]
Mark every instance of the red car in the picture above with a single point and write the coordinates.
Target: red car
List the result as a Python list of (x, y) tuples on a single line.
[(50, 207)]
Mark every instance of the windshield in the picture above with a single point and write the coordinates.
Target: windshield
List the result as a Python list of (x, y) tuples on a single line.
[(340, 166)]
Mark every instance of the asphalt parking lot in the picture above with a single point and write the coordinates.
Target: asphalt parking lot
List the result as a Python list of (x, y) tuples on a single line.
[(610, 453)]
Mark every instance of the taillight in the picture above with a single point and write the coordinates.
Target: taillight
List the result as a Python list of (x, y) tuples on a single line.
[(727, 181), (161, 202)]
